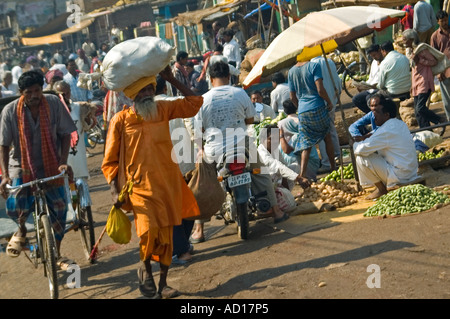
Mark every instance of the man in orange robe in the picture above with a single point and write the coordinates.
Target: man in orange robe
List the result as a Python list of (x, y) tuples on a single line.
[(138, 146)]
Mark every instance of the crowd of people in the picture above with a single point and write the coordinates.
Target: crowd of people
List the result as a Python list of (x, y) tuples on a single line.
[(204, 99)]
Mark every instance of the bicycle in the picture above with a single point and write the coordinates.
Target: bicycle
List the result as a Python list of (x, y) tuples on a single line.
[(42, 244), (85, 221), (352, 72), (349, 72)]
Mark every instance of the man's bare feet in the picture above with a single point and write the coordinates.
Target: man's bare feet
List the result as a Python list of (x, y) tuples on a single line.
[(376, 194)]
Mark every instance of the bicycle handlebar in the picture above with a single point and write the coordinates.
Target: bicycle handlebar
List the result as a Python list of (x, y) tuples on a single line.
[(36, 181)]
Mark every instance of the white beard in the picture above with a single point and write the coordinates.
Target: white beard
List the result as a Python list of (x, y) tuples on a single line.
[(146, 108)]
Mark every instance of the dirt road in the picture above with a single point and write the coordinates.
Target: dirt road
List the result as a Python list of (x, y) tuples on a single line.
[(328, 255)]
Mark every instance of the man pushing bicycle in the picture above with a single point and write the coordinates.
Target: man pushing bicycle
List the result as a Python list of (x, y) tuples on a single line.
[(38, 128)]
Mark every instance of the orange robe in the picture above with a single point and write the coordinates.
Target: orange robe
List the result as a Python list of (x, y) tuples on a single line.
[(162, 198)]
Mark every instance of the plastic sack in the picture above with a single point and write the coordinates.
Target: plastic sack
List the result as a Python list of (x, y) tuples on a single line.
[(429, 138), (118, 226), (285, 199), (133, 59)]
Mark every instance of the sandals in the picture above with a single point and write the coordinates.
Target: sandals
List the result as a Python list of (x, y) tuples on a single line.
[(64, 263), (147, 287), (168, 292), (15, 246), (193, 240), (281, 219)]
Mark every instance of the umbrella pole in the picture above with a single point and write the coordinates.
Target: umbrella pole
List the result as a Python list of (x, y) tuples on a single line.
[(352, 155)]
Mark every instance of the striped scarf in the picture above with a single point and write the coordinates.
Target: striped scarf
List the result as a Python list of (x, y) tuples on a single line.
[(49, 155)]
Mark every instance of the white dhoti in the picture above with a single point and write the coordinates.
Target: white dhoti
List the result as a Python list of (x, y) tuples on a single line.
[(374, 168)]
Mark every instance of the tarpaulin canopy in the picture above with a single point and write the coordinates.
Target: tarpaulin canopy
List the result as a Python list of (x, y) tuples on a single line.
[(55, 25), (263, 7), (195, 17), (311, 37), (56, 37)]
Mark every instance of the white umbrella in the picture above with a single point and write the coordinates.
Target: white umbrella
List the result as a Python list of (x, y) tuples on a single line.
[(320, 32)]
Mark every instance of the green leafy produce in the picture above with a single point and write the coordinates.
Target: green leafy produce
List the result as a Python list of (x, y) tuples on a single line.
[(336, 175), (429, 155), (265, 122), (406, 200)]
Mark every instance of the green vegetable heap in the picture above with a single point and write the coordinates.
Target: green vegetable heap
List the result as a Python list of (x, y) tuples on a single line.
[(266, 122), (407, 199), (429, 155), (336, 175)]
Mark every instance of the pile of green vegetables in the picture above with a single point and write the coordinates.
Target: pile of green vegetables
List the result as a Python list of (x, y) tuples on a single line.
[(429, 155), (349, 173), (407, 199), (258, 127)]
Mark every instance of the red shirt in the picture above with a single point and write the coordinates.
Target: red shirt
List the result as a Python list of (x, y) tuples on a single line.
[(440, 40)]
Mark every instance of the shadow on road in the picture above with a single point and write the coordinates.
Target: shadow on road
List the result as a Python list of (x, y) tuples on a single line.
[(246, 281)]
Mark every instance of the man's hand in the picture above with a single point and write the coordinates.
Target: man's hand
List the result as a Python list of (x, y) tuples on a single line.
[(441, 77), (67, 169), (167, 74), (115, 194), (303, 181), (3, 189)]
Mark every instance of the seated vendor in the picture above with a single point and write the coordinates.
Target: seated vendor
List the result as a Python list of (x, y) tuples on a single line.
[(387, 157)]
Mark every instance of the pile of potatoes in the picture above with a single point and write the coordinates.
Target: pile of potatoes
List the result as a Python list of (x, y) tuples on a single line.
[(334, 193), (348, 57)]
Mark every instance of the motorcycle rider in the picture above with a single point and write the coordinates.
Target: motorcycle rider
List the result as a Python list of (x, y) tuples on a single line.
[(222, 119)]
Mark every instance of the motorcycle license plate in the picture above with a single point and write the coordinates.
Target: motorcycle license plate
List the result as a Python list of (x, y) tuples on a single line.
[(238, 180)]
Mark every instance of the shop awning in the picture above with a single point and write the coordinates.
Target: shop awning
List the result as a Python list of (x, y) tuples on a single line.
[(48, 39), (56, 37), (209, 14), (381, 3)]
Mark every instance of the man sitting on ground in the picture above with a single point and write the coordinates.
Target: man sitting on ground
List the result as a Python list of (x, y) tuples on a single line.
[(388, 157)]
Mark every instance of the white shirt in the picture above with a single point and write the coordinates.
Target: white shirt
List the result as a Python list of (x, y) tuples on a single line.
[(224, 108), (12, 90), (395, 73), (277, 167), (78, 162), (232, 53), (278, 95), (16, 73), (263, 111), (395, 144), (374, 73)]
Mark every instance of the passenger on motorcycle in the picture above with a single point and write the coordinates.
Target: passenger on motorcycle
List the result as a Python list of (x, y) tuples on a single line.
[(221, 126)]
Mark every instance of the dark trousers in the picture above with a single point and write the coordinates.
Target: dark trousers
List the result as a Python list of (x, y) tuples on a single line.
[(423, 114), (181, 234)]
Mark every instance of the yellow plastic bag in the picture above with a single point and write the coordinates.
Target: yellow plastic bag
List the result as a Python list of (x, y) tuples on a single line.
[(118, 226)]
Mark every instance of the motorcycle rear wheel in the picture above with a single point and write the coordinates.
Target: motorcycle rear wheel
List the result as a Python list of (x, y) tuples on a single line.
[(242, 219)]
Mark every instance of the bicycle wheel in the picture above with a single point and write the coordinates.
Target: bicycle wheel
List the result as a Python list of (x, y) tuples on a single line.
[(49, 254), (86, 229), (352, 72)]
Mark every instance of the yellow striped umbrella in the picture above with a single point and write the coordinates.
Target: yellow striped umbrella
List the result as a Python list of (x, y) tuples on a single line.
[(320, 32)]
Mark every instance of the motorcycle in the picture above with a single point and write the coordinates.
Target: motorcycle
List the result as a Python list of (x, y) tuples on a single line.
[(240, 205)]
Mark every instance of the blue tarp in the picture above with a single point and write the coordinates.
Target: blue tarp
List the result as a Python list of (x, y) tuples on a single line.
[(265, 6)]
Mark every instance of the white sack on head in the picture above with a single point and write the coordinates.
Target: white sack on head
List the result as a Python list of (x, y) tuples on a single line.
[(133, 59)]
